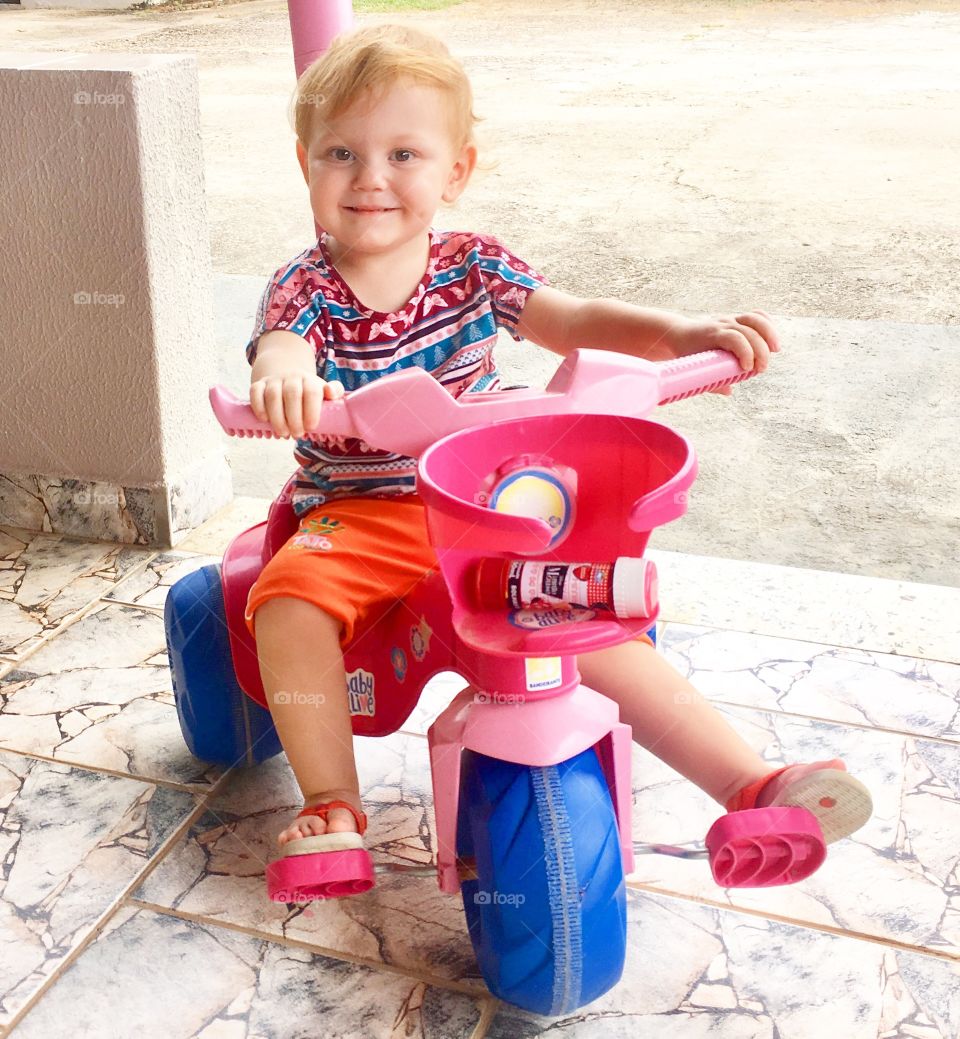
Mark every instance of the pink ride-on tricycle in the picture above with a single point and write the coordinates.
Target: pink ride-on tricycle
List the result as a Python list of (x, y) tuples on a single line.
[(531, 769)]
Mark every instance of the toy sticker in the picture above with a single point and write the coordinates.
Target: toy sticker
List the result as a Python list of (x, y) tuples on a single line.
[(360, 692), (420, 639), (543, 673), (398, 660)]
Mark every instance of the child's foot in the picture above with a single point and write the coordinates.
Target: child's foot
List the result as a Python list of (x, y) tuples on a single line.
[(322, 853), (840, 803), (332, 819)]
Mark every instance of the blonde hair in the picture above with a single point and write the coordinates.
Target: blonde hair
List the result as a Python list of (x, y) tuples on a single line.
[(370, 61)]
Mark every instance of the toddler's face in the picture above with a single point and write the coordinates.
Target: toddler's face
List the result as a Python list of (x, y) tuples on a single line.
[(378, 172)]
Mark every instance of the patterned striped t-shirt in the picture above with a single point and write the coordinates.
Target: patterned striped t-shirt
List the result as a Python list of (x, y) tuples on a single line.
[(472, 286)]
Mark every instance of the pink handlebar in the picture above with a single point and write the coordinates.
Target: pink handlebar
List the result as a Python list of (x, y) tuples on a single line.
[(698, 373), (408, 411), (313, 25)]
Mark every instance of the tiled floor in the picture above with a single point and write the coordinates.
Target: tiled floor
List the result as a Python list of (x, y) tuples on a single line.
[(132, 898)]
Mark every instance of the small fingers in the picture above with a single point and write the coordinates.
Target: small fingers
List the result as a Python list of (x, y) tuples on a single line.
[(266, 402), (293, 393), (736, 342), (315, 392), (761, 322), (256, 400)]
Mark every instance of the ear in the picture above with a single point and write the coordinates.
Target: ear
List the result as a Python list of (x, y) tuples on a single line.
[(460, 173), (302, 159)]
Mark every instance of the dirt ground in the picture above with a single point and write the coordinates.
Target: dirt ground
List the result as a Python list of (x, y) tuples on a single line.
[(799, 157)]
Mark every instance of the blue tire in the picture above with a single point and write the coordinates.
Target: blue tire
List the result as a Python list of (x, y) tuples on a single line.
[(219, 722), (547, 912)]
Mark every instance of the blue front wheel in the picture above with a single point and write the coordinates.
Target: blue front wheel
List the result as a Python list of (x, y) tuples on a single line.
[(547, 908)]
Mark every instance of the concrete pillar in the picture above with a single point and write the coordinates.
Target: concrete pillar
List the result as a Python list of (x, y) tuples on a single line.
[(106, 344)]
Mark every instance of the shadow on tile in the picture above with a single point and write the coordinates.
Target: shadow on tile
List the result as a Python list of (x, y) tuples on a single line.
[(694, 972), (896, 878), (47, 579), (148, 588), (172, 978), (217, 871), (100, 695), (70, 842), (844, 685)]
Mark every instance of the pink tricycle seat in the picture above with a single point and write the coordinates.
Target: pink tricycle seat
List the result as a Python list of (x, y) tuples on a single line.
[(631, 475)]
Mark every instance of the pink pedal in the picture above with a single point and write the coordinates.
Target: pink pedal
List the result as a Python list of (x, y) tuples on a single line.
[(296, 879), (764, 847)]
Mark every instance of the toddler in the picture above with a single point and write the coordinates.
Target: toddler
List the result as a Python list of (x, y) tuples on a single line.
[(384, 123)]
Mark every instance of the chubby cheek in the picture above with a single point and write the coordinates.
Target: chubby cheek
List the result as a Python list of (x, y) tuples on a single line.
[(419, 200)]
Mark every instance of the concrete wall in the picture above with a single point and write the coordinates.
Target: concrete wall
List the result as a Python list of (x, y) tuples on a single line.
[(106, 344)]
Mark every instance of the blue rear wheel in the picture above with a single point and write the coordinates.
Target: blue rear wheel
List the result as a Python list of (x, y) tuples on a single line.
[(547, 910), (219, 722)]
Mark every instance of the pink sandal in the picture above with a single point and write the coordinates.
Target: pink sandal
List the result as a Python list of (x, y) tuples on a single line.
[(325, 865), (805, 808)]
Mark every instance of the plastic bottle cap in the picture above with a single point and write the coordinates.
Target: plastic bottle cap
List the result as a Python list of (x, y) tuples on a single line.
[(634, 587), (489, 584)]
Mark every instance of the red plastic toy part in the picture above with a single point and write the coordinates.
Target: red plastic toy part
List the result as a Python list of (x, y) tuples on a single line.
[(297, 879), (764, 847)]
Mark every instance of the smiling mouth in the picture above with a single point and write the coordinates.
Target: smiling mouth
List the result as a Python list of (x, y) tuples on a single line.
[(371, 209)]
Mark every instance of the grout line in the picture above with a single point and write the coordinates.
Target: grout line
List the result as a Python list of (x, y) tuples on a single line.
[(489, 1008), (126, 602), (119, 902), (808, 925), (950, 742), (166, 784), (408, 732), (82, 613), (786, 637), (320, 950)]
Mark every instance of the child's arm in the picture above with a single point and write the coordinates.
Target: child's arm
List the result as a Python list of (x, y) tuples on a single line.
[(285, 389), (562, 323)]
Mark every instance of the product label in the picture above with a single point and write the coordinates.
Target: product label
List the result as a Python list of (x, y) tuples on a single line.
[(550, 584), (543, 673), (536, 619)]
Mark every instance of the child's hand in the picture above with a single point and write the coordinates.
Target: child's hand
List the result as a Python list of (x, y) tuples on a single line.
[(751, 338), (291, 403)]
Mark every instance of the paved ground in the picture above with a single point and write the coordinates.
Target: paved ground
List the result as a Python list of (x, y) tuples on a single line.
[(713, 155)]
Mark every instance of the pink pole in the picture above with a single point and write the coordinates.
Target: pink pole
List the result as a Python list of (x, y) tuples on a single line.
[(313, 25)]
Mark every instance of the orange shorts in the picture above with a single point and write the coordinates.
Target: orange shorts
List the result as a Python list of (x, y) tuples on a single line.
[(349, 557)]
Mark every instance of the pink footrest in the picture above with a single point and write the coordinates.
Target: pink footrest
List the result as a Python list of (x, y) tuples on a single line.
[(764, 847), (297, 879)]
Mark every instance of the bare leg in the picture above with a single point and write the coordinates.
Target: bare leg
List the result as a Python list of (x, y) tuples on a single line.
[(672, 720), (301, 664)]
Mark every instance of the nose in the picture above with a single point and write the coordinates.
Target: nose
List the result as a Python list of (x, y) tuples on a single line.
[(370, 175)]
